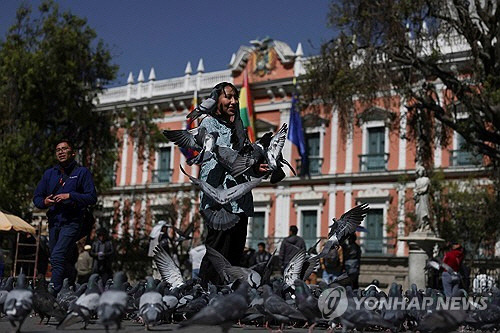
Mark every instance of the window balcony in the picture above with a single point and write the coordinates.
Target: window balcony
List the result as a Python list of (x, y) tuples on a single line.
[(162, 175), (373, 162), (315, 163), (460, 158)]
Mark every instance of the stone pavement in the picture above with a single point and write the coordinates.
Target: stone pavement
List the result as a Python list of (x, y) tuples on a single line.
[(31, 326)]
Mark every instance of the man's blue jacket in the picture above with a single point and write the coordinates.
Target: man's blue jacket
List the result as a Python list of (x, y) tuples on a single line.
[(80, 186)]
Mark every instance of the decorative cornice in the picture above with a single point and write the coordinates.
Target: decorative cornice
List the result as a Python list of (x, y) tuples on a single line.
[(309, 197), (373, 194)]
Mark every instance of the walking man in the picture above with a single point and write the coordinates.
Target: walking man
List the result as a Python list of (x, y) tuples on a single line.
[(290, 246), (66, 190)]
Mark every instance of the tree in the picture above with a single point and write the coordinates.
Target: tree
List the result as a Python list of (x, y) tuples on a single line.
[(51, 68), (466, 212), (411, 48)]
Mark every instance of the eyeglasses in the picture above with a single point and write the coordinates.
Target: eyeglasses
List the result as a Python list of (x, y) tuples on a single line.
[(63, 149)]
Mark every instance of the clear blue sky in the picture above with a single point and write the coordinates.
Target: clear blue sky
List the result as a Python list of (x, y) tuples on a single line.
[(166, 34)]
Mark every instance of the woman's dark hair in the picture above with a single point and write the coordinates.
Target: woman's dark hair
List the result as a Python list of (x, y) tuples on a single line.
[(239, 137)]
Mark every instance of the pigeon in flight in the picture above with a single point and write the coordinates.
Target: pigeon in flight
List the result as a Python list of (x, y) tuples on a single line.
[(347, 224), (198, 139), (219, 216), (231, 273), (221, 195), (169, 271)]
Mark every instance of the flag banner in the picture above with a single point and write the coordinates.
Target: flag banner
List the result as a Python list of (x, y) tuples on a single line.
[(296, 136), (246, 108)]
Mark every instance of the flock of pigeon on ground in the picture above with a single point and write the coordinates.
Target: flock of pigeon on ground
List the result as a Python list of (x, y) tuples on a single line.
[(249, 296)]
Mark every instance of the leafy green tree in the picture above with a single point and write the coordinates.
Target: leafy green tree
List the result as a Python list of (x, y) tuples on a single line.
[(467, 212), (412, 48), (52, 66)]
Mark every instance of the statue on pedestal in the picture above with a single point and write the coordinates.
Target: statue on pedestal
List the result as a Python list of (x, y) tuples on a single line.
[(421, 196)]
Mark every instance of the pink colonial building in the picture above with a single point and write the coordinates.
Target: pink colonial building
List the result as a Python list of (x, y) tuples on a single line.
[(373, 164)]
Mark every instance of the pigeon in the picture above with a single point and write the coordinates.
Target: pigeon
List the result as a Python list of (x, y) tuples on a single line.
[(206, 107), (197, 139), (151, 305), (307, 304), (360, 318), (442, 321), (230, 273), (85, 306), (113, 303), (234, 162), (275, 307), (220, 195), (219, 216), (294, 268), (169, 271), (347, 224), (224, 312), (4, 291), (44, 303), (394, 315), (18, 303)]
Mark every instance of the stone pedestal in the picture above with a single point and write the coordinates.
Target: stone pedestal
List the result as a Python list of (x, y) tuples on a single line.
[(421, 244)]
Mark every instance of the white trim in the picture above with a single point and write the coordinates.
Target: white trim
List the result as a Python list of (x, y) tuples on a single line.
[(349, 150), (402, 135), (272, 106), (347, 196), (145, 166), (135, 159), (400, 252), (332, 197), (333, 142), (282, 211), (437, 145), (124, 156)]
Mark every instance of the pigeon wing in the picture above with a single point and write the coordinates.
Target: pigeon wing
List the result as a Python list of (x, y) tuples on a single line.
[(168, 269), (220, 195), (277, 143), (348, 222), (183, 138), (218, 261), (219, 218), (294, 267)]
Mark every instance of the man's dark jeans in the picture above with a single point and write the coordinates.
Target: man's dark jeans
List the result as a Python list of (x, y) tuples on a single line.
[(62, 242)]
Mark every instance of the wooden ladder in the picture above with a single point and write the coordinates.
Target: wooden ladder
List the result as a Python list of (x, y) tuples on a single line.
[(34, 262)]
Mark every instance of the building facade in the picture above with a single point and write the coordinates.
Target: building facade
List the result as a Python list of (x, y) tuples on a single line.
[(373, 163)]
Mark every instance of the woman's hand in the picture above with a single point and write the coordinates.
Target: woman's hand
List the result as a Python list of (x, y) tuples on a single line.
[(263, 168)]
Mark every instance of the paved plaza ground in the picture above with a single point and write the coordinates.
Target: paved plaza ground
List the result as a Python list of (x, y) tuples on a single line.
[(31, 326)]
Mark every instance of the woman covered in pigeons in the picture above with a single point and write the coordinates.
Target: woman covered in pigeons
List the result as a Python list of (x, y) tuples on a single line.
[(224, 122)]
